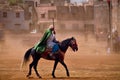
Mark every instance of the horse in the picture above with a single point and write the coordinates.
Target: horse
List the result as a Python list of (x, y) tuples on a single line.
[(59, 57)]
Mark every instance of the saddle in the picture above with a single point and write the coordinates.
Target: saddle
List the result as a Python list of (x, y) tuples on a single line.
[(48, 50)]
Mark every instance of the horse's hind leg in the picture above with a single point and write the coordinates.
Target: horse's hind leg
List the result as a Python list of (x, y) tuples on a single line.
[(34, 63), (35, 67), (30, 67)]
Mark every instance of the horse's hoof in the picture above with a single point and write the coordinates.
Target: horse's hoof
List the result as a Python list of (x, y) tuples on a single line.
[(39, 77), (28, 75), (68, 75), (54, 76)]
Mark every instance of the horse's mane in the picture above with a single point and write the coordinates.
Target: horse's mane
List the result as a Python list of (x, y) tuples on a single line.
[(64, 44)]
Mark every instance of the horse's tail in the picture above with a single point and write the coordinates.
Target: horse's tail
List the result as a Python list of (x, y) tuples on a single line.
[(26, 57)]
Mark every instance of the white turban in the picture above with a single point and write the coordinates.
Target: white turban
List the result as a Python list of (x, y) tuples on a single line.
[(51, 26)]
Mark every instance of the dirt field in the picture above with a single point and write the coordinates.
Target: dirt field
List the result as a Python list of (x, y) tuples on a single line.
[(91, 62)]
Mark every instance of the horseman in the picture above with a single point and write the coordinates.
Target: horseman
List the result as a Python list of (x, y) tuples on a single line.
[(48, 41)]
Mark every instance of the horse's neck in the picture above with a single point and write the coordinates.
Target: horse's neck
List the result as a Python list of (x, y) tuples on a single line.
[(64, 45)]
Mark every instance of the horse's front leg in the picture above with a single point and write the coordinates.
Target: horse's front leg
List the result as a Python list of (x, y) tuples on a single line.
[(55, 65), (65, 66)]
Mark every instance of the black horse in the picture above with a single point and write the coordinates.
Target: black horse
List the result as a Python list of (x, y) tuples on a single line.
[(59, 57)]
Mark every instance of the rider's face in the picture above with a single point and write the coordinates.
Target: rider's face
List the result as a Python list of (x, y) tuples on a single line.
[(52, 29)]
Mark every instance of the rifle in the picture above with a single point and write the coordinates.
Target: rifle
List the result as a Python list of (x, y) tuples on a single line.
[(53, 25)]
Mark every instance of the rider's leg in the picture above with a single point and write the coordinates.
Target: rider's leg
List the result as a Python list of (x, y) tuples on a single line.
[(55, 49)]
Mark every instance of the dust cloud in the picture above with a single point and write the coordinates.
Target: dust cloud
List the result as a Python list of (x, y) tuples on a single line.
[(91, 62)]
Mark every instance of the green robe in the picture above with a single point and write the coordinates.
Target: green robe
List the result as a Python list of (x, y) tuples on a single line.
[(41, 45)]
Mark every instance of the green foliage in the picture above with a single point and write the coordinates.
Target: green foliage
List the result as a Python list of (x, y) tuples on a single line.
[(15, 2), (12, 2), (20, 1)]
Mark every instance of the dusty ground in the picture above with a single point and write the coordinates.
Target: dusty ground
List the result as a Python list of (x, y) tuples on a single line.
[(91, 62)]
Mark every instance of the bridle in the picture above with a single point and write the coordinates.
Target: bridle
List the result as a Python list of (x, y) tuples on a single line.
[(73, 44)]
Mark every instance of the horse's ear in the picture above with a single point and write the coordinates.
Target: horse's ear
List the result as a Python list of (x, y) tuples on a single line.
[(72, 38)]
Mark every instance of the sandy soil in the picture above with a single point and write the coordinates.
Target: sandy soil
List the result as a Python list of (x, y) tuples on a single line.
[(91, 62)]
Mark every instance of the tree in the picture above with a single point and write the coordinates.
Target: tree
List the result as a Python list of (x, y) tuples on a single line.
[(15, 2), (20, 1), (12, 2)]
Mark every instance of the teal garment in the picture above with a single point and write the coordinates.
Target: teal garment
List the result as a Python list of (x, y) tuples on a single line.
[(41, 45)]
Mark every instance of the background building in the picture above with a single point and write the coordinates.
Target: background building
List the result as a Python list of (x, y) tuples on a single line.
[(12, 17)]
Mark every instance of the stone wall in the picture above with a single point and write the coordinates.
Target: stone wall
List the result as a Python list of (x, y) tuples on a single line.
[(75, 17), (80, 16), (118, 20), (14, 18), (101, 18)]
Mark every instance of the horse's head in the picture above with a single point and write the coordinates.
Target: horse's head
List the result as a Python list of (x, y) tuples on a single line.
[(73, 44)]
